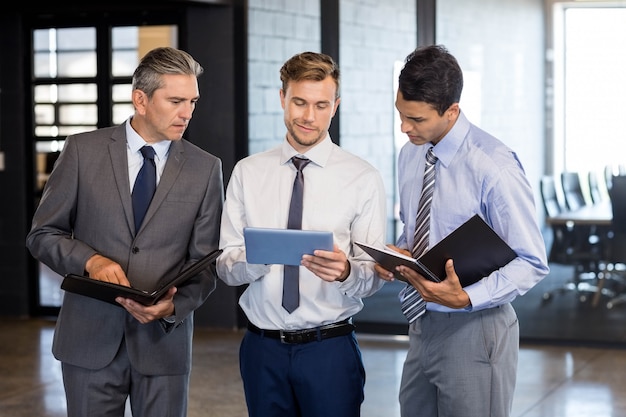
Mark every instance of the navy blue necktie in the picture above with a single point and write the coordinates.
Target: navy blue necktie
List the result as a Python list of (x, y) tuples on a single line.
[(144, 187), (291, 277)]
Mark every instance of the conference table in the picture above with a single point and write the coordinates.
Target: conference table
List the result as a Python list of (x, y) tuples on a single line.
[(600, 214), (598, 218)]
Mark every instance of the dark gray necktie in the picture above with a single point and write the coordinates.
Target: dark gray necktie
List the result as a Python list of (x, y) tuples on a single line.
[(144, 187), (291, 290), (412, 303)]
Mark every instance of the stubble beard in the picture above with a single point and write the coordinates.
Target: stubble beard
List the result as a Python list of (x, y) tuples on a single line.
[(301, 141)]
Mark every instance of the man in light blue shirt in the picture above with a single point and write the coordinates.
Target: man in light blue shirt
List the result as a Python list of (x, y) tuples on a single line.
[(462, 359)]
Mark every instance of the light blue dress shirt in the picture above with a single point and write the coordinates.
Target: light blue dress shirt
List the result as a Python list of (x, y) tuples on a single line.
[(476, 174), (135, 158)]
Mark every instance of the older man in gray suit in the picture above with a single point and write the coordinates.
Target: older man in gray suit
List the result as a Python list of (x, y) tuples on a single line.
[(85, 225)]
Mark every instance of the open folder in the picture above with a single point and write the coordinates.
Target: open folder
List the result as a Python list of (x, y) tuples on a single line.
[(107, 291), (475, 248)]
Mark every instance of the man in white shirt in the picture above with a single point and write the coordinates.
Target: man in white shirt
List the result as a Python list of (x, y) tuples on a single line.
[(308, 358)]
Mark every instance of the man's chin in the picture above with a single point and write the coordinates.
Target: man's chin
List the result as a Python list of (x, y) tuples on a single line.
[(417, 141), (177, 134), (173, 138)]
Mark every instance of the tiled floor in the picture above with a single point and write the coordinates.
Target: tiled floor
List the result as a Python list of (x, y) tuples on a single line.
[(554, 380)]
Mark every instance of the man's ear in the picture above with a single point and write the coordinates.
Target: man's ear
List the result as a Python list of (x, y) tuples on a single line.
[(337, 101), (453, 111), (140, 100)]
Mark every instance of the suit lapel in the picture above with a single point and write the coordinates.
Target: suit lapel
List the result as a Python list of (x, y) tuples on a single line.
[(119, 161)]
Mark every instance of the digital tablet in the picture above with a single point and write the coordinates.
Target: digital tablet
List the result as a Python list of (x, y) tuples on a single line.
[(283, 246)]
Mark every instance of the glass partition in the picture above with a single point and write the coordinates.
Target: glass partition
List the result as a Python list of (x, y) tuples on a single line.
[(70, 95)]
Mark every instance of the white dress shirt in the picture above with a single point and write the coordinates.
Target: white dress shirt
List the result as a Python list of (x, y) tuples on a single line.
[(342, 194)]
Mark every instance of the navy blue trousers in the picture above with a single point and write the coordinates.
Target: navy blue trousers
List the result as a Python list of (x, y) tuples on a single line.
[(316, 379)]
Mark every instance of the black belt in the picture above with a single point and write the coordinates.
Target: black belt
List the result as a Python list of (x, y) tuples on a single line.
[(340, 328)]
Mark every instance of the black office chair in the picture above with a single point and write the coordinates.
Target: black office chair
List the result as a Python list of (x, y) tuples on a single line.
[(549, 196), (594, 188), (609, 171), (575, 199), (570, 246), (572, 190), (562, 235), (598, 195), (617, 245)]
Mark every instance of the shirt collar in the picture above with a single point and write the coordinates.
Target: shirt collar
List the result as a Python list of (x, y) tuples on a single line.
[(136, 142), (449, 145), (319, 154)]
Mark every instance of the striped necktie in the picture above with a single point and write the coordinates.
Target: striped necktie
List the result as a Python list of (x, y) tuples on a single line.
[(412, 303)]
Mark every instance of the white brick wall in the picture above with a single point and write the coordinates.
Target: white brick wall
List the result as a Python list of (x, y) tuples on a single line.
[(277, 29), (499, 45), (374, 35)]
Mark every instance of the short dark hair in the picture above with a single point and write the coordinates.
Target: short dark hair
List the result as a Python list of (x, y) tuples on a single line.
[(431, 75), (311, 66)]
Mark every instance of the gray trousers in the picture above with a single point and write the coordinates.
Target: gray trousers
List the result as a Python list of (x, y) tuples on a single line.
[(461, 364), (103, 392)]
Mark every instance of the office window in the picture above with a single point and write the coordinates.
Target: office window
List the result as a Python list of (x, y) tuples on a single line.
[(590, 62), (71, 96), (64, 52), (61, 56)]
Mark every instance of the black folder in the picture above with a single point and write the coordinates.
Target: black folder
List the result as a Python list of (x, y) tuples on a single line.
[(107, 291), (475, 248)]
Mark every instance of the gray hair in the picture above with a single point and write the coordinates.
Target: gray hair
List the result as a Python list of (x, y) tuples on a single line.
[(161, 61)]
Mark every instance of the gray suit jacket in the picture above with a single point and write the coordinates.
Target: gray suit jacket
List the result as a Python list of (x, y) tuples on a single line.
[(86, 208)]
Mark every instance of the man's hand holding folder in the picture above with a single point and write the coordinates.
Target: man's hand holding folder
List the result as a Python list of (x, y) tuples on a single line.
[(389, 258), (447, 292), (405, 268), (474, 247)]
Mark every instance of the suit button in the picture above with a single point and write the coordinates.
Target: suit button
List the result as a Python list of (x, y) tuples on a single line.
[(135, 249)]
